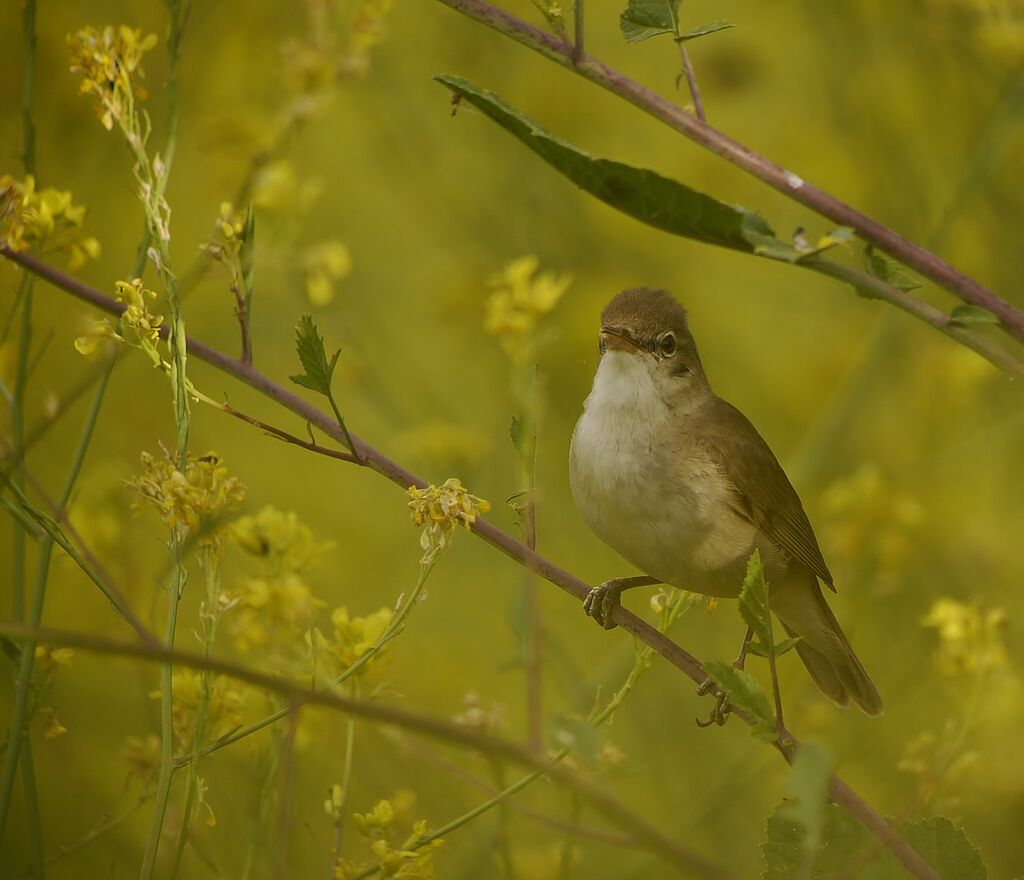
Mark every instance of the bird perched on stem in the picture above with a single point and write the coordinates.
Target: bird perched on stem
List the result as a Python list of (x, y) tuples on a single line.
[(680, 483)]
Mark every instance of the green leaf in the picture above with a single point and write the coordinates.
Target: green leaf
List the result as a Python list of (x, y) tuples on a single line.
[(705, 29), (845, 842), (808, 788), (753, 604), (746, 693), (965, 315), (640, 193), (649, 18), (839, 235), (881, 265), (313, 357)]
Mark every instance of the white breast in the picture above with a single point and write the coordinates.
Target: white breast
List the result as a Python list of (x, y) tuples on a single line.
[(665, 511)]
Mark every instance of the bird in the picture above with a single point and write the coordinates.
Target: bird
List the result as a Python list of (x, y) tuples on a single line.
[(681, 484)]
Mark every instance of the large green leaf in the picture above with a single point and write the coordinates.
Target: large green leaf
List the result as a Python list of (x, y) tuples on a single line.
[(638, 192), (845, 843)]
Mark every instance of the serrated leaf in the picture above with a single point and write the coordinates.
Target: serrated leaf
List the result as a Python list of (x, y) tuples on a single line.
[(645, 195), (313, 357), (844, 842), (710, 28), (807, 786), (753, 602), (966, 315), (746, 693), (643, 19), (881, 265)]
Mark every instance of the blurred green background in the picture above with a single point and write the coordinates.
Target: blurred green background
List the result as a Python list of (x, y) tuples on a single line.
[(908, 450)]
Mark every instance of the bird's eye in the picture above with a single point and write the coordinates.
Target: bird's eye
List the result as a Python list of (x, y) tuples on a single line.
[(667, 344)]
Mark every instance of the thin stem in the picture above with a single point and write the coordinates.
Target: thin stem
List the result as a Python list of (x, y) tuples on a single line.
[(346, 781), (21, 715), (786, 182), (163, 785), (35, 828), (691, 81)]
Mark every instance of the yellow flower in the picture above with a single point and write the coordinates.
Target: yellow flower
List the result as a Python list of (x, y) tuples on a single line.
[(47, 217), (325, 263), (366, 32), (50, 658), (143, 758), (351, 638), (278, 537), (519, 300), (109, 61), (440, 509), (100, 331), (225, 710), (195, 499), (273, 612), (969, 640), (52, 727)]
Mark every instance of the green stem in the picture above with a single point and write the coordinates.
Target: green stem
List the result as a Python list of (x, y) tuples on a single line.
[(346, 781), (344, 430), (21, 716), (163, 785)]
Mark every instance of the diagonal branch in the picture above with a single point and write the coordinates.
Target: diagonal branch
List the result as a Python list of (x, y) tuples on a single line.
[(839, 791), (792, 185)]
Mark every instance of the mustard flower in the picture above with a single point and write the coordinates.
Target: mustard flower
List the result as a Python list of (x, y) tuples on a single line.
[(970, 640), (440, 509), (324, 264), (109, 61), (143, 758), (350, 638), (272, 612), (278, 538), (519, 300), (196, 499), (48, 218), (411, 858), (225, 711)]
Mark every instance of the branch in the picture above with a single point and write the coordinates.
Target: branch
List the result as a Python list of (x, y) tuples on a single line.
[(786, 182), (299, 695), (377, 461)]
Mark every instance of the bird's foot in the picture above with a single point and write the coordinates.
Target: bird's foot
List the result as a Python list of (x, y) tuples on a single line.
[(602, 601), (723, 705)]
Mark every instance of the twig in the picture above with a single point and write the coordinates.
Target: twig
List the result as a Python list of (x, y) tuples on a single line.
[(425, 725), (792, 185), (691, 81), (494, 536), (285, 436)]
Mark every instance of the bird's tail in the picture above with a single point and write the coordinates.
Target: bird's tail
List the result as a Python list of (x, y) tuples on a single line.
[(823, 645)]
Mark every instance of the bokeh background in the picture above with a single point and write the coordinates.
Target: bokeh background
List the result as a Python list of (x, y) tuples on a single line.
[(908, 450)]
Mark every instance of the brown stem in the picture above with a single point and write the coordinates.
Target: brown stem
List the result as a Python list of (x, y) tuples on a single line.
[(377, 461), (795, 187)]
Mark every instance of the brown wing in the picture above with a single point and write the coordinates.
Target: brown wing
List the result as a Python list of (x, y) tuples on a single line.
[(763, 493)]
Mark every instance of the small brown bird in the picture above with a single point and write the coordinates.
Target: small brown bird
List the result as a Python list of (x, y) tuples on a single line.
[(680, 483)]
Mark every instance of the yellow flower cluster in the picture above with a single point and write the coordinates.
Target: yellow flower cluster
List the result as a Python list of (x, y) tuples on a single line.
[(410, 859), (143, 758), (519, 300), (324, 264), (440, 509), (47, 217), (366, 32), (108, 59), (278, 538), (225, 711), (49, 658), (196, 499), (272, 611), (351, 638), (136, 317), (870, 519), (970, 640)]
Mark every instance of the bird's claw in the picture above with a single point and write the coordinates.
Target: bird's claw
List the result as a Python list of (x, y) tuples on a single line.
[(722, 709), (601, 603)]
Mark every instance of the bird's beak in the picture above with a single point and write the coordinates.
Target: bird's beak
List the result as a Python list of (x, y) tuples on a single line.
[(617, 338)]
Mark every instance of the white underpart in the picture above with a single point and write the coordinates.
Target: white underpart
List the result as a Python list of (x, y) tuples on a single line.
[(643, 484)]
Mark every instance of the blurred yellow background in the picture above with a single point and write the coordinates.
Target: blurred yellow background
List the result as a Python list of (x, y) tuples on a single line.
[(908, 451)]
